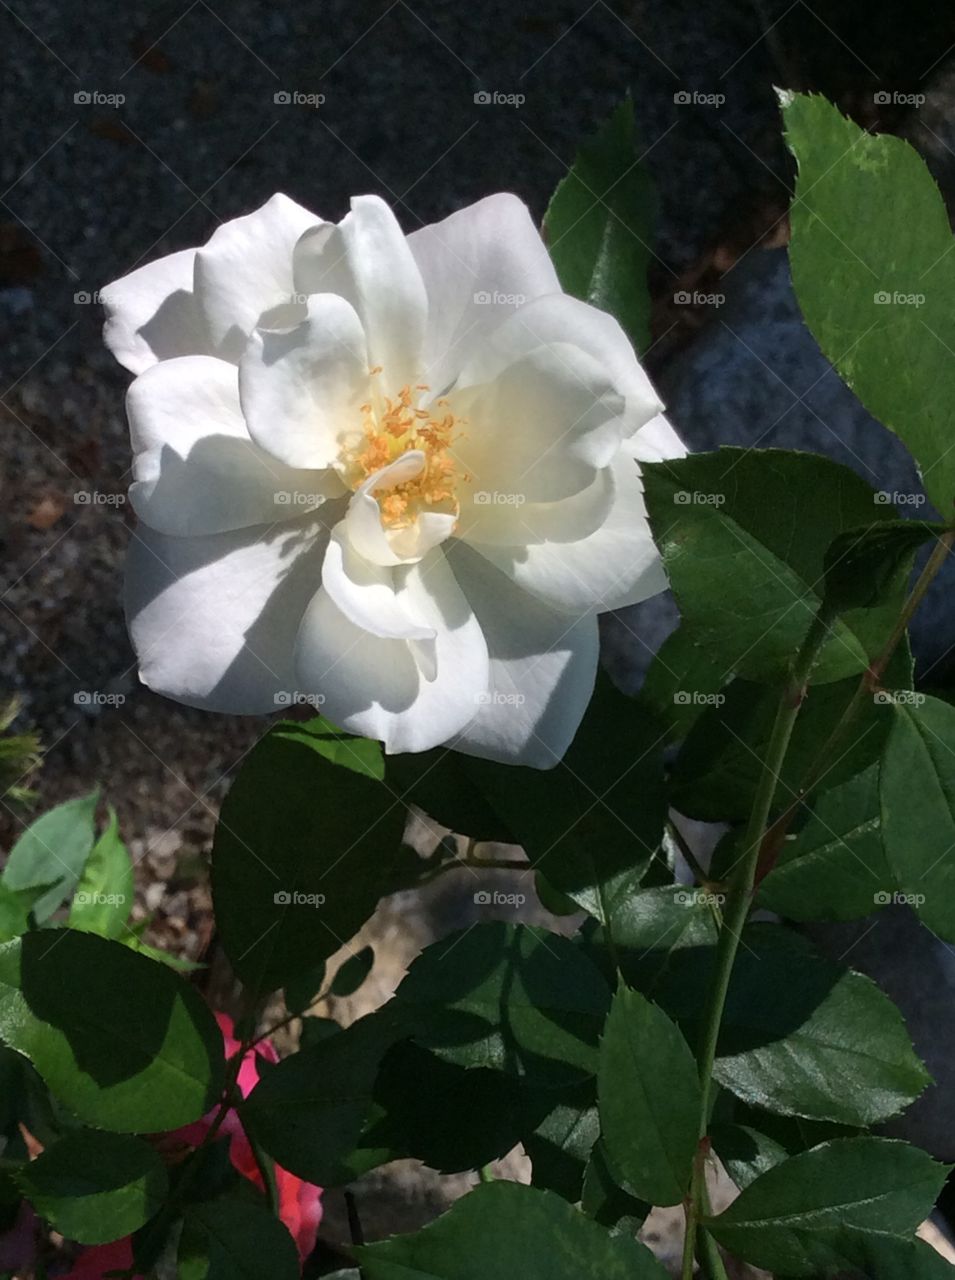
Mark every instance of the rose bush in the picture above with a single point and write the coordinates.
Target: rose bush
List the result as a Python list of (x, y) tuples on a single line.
[(396, 475)]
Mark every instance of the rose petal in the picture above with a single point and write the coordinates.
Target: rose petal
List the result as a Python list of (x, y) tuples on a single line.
[(476, 265), (542, 669), (213, 620), (302, 388), (366, 259), (196, 471), (152, 314), (245, 269), (411, 696)]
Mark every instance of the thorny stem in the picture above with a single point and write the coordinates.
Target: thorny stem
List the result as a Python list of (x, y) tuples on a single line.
[(736, 909), (868, 684)]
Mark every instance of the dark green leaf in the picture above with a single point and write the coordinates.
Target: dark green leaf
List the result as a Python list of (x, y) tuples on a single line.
[(745, 585), (506, 1229), (800, 1035), (682, 681), (302, 852), (599, 226), (874, 274), (235, 1240), (119, 1039), (649, 1098), (510, 998), (95, 1187), (419, 1113), (810, 1212), (866, 566), (560, 1144), (309, 1110), (52, 851), (745, 1152), (835, 868), (605, 1201), (917, 788), (654, 925)]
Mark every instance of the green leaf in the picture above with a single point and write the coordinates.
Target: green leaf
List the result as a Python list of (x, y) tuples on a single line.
[(353, 972), (96, 1187), (917, 788), (302, 852), (235, 1240), (440, 782), (606, 1202), (874, 274), (119, 1039), (561, 1142), (418, 1111), (745, 1152), (865, 566), (835, 868), (812, 1211), (52, 852), (308, 1111), (746, 586), (599, 225), (506, 1229), (591, 824), (681, 682), (800, 1035), (16, 907), (510, 998), (104, 896), (655, 925), (717, 771), (649, 1098)]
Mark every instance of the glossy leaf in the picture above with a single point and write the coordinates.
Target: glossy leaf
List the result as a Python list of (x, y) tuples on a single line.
[(599, 226), (119, 1039), (649, 1100), (506, 1229), (96, 1187)]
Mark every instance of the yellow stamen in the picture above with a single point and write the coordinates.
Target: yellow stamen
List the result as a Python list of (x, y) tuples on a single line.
[(393, 426)]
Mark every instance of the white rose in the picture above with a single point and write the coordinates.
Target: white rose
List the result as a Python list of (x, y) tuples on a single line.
[(399, 473)]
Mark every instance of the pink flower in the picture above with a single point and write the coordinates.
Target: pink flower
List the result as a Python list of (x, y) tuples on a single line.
[(300, 1203)]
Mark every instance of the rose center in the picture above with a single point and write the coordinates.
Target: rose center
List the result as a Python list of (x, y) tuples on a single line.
[(392, 427)]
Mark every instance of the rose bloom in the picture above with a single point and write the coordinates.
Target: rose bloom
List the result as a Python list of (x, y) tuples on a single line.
[(395, 476), (299, 1203)]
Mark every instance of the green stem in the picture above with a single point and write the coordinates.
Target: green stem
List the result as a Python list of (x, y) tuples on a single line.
[(869, 682), (737, 907)]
